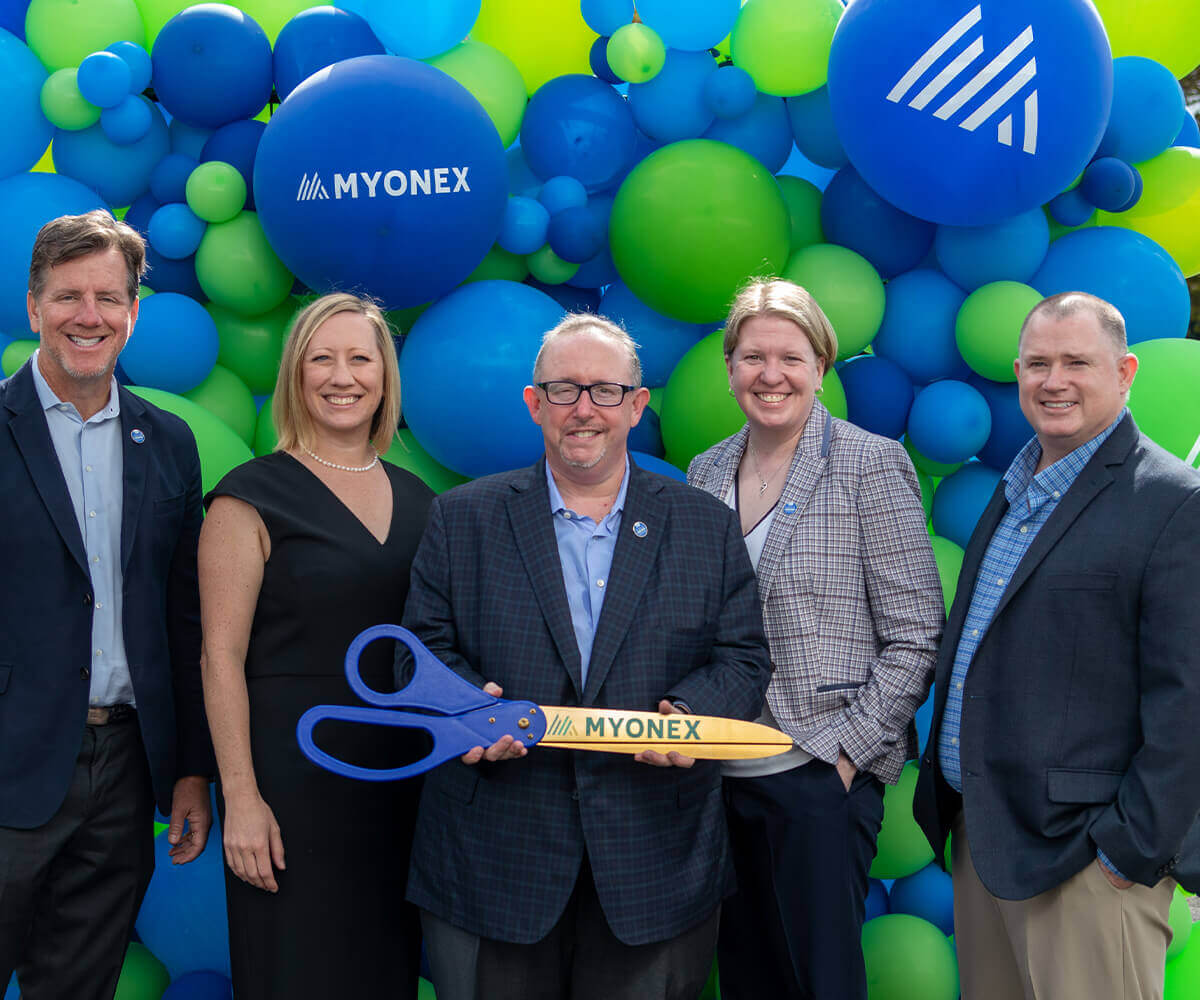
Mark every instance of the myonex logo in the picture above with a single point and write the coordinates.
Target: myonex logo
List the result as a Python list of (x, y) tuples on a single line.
[(392, 183), (949, 92), (561, 726), (311, 188)]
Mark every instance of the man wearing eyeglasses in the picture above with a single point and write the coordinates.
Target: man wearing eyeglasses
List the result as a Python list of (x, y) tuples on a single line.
[(583, 580)]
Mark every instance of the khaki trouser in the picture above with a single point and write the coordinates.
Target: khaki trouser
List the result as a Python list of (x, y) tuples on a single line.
[(1082, 940)]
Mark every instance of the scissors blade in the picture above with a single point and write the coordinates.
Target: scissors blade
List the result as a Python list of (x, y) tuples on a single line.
[(616, 731)]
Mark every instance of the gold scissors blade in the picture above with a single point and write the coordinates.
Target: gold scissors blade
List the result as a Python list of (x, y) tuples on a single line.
[(618, 731)]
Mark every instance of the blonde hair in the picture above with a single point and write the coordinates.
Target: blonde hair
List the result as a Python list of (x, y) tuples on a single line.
[(292, 420), (778, 297)]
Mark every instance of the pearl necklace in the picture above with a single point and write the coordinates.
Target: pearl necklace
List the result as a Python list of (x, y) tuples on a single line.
[(345, 468)]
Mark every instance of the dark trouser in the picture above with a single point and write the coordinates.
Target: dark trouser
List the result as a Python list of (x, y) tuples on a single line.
[(802, 848), (580, 959), (70, 890)]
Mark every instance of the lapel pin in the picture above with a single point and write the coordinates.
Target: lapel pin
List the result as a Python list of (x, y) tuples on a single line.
[(640, 529), (137, 435), (789, 508)]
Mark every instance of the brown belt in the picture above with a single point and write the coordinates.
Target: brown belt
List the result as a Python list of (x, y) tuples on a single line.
[(104, 715)]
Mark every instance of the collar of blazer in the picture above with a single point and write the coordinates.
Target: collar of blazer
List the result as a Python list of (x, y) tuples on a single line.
[(533, 529)]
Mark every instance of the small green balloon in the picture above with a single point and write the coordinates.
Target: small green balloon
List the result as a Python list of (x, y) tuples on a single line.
[(251, 346), (988, 327), (1180, 921), (847, 288), (237, 268), (143, 977), (1164, 398), (224, 394), (265, 435), (928, 465), (406, 452), (548, 267), (216, 191), (16, 354), (949, 559), (656, 398), (500, 265), (908, 958), (784, 44), (925, 481), (1182, 980), (493, 80), (635, 53), (803, 201), (63, 33), (62, 103), (902, 848), (425, 990)]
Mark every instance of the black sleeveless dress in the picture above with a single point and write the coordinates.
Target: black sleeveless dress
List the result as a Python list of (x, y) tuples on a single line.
[(339, 925)]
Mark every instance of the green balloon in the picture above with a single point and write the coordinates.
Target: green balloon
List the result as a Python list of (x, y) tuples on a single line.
[(548, 267), (656, 398), (143, 977), (1180, 920), (492, 79), (63, 33), (949, 558), (16, 354), (928, 465), (216, 191), (925, 481), (1182, 980), (237, 268), (832, 395), (250, 346), (500, 265), (847, 288), (908, 958), (228, 397), (635, 53), (406, 452), (1164, 398), (64, 105), (425, 990), (220, 447), (902, 848), (804, 209), (784, 44), (402, 320), (989, 325), (692, 222), (265, 435)]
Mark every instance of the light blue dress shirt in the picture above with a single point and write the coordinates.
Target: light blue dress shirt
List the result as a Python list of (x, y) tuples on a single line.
[(89, 454), (585, 550)]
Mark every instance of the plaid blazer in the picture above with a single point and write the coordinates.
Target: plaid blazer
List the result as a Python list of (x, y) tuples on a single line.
[(851, 598), (498, 846)]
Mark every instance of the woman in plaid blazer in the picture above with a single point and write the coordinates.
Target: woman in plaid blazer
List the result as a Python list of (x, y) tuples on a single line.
[(852, 607)]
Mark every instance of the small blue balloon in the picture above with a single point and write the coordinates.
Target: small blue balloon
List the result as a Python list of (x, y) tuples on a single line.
[(166, 275), (1136, 195), (138, 214), (917, 332), (662, 339), (763, 132), (690, 25), (928, 894), (118, 172), (960, 500), (187, 139), (521, 180), (729, 92), (653, 463), (811, 117), (606, 16), (671, 105), (176, 231), (949, 421), (577, 234), (1012, 250), (572, 299), (878, 394), (168, 179), (523, 229), (578, 126), (174, 346), (1071, 208), (420, 30), (562, 192), (856, 217), (138, 60), (595, 273), (1108, 183), (202, 985), (27, 133), (923, 720), (319, 37), (598, 61), (12, 17), (1147, 106), (877, 899), (1189, 131), (646, 437), (129, 121), (104, 79), (1010, 430), (237, 145), (799, 165)]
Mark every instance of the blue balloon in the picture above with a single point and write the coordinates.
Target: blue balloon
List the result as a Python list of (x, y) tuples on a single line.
[(212, 65), (104, 79), (577, 234), (141, 69), (119, 173), (562, 192), (1010, 430), (26, 130), (811, 117), (1189, 131), (12, 17), (319, 37), (129, 121), (960, 499), (404, 212), (28, 202), (579, 126), (176, 231), (878, 394), (1109, 183), (1012, 250), (484, 335), (237, 145), (964, 118), (1071, 208), (168, 179), (646, 437), (949, 421), (763, 132), (798, 165), (174, 346), (671, 106), (571, 299), (729, 92), (1136, 195), (856, 217), (166, 275), (606, 16), (598, 61), (691, 25), (521, 180), (187, 139), (1125, 268), (924, 721), (523, 229), (200, 986), (420, 30), (917, 331), (662, 340), (1147, 103), (877, 899), (652, 463), (595, 273), (928, 894)]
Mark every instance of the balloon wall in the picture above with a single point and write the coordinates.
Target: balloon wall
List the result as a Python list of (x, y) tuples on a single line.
[(481, 166)]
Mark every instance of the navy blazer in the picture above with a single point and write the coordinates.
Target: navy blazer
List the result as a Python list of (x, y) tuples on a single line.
[(499, 846), (1079, 704), (46, 604)]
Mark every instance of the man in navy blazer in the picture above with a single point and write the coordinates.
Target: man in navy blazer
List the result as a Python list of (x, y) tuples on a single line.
[(1062, 754), (101, 714), (583, 580)]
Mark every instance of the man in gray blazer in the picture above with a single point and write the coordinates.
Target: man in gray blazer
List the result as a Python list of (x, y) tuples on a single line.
[(1062, 754)]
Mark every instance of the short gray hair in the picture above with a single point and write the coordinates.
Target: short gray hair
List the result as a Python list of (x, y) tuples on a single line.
[(574, 324), (1066, 304)]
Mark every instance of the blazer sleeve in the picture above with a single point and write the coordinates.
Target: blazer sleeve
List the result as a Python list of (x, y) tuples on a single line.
[(1143, 830), (905, 595)]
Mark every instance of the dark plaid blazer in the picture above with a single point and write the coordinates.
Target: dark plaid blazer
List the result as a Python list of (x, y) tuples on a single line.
[(498, 846)]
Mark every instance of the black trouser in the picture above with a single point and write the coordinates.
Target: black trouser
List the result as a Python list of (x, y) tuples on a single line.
[(802, 848), (70, 889)]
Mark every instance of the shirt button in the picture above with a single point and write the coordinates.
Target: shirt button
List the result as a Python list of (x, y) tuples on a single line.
[(958, 686), (87, 468), (1055, 494), (1024, 529), (974, 632), (954, 740), (95, 559), (91, 513), (99, 605), (99, 652), (999, 581), (567, 514), (599, 583)]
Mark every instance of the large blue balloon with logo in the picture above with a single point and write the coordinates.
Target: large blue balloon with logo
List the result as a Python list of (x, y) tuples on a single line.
[(963, 114), (382, 174)]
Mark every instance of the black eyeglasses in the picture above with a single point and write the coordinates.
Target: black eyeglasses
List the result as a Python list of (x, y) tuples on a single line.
[(564, 393)]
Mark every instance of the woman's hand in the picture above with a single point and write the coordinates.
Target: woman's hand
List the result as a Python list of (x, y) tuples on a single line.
[(252, 841)]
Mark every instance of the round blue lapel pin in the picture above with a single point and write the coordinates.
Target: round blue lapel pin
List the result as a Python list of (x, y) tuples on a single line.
[(640, 529), (137, 435), (789, 508)]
